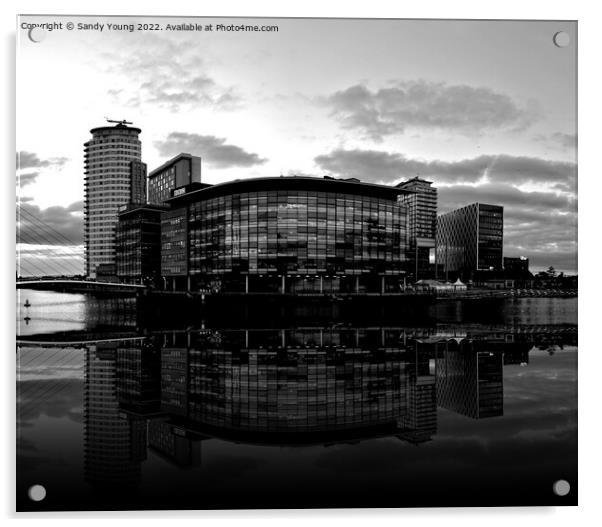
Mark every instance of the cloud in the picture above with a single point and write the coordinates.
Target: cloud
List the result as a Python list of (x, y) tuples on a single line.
[(511, 197), (428, 105), (26, 160), (170, 73), (27, 179), (60, 226), (559, 140), (213, 150), (385, 167)]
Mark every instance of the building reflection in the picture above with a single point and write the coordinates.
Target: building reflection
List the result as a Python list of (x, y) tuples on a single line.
[(174, 444), (469, 381), (114, 441), (170, 392)]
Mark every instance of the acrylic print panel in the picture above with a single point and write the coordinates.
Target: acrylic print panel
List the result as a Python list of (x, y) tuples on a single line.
[(292, 263)]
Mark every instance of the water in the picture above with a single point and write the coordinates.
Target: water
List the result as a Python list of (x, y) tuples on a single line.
[(476, 407)]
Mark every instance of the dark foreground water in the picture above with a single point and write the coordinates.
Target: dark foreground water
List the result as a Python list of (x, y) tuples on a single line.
[(475, 406)]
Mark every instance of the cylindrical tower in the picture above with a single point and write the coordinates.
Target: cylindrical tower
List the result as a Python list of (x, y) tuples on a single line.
[(111, 159)]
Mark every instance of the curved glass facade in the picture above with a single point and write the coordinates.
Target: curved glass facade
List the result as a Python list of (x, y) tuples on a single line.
[(325, 237)]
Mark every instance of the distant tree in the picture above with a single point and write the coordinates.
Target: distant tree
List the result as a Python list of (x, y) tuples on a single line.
[(551, 272)]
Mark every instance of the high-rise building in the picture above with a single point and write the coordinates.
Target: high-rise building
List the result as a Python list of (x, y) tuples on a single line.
[(177, 172), (470, 239), (421, 202), (114, 176)]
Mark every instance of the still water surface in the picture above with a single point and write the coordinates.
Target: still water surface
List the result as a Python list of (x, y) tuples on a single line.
[(476, 407)]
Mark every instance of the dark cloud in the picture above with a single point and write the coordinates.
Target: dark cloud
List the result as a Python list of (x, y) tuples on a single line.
[(26, 160), (385, 167), (56, 225), (427, 105), (27, 179), (213, 150), (171, 74)]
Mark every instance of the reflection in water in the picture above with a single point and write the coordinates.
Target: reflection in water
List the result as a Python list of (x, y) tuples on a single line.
[(287, 386), (114, 442), (297, 412), (469, 382)]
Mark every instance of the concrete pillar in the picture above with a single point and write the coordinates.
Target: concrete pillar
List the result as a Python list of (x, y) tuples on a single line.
[(173, 283), (283, 288), (282, 338), (246, 338), (188, 282), (357, 284), (247, 285), (321, 284), (382, 285)]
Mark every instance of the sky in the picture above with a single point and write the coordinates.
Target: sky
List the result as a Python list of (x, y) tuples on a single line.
[(486, 110)]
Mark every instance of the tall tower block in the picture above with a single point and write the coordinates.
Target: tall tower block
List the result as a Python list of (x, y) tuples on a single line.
[(113, 176)]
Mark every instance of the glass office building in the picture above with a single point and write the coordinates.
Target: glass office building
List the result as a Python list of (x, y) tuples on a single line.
[(421, 203), (469, 240), (138, 244), (285, 235)]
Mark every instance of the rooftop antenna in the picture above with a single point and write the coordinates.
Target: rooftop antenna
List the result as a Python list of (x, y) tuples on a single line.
[(123, 123)]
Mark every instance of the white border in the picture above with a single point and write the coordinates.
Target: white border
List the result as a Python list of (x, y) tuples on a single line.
[(589, 234)]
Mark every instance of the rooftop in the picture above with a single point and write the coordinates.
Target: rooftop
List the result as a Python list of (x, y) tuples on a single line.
[(326, 184), (170, 162), (114, 128)]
